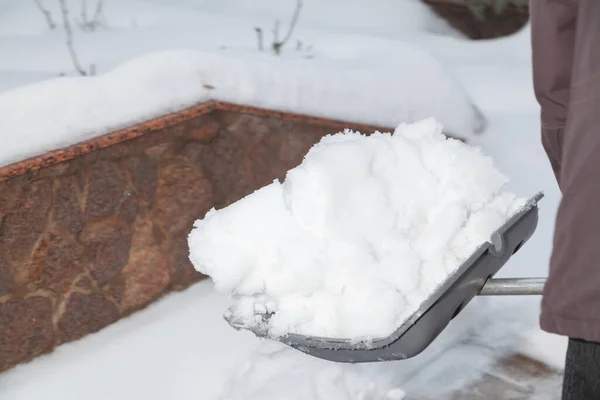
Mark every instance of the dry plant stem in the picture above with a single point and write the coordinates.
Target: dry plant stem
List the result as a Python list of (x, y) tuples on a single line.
[(47, 14), (98, 12), (69, 38), (259, 36), (277, 45)]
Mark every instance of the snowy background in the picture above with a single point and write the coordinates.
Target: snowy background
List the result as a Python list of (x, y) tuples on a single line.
[(374, 61)]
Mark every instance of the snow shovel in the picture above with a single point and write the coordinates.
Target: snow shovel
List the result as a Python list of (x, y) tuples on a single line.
[(472, 278)]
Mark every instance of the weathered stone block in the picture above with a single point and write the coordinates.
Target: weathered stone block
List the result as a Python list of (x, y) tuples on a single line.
[(204, 129), (67, 214), (24, 221), (55, 262), (106, 190), (25, 329), (128, 208), (182, 270), (6, 278), (147, 272), (107, 245), (85, 314), (143, 171), (223, 167), (181, 186)]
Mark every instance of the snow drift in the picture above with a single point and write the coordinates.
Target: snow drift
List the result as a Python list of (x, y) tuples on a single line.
[(64, 111)]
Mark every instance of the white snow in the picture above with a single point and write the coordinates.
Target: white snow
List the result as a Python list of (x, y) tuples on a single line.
[(262, 377), (180, 348), (71, 109), (357, 236)]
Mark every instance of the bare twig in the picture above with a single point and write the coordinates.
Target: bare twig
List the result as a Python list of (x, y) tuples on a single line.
[(91, 25), (259, 36), (277, 45), (47, 14), (294, 22), (276, 32), (99, 11), (69, 38), (84, 17)]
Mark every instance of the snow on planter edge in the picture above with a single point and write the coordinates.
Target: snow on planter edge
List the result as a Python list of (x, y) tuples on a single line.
[(64, 111), (357, 236)]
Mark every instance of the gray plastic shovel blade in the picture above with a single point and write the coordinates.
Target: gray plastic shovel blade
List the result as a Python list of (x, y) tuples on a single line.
[(436, 312)]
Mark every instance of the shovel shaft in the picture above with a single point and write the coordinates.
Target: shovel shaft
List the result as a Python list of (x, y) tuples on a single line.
[(513, 287)]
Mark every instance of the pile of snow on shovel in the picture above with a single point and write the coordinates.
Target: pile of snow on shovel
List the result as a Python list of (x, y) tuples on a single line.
[(357, 236)]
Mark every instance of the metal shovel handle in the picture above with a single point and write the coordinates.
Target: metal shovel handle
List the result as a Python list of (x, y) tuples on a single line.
[(513, 287)]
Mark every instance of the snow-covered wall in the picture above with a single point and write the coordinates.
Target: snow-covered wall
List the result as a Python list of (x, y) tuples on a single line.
[(63, 111), (91, 239)]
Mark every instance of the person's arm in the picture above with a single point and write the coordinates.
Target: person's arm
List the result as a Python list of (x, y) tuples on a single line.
[(553, 41)]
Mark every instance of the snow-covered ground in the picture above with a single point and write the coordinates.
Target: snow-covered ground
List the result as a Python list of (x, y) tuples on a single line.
[(199, 55), (180, 348)]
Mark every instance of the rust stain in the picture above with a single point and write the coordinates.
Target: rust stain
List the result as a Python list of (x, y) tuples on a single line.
[(56, 156)]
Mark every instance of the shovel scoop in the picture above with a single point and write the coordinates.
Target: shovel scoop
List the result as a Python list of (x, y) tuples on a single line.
[(472, 278)]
